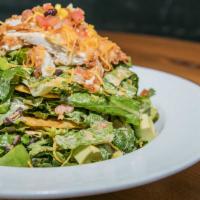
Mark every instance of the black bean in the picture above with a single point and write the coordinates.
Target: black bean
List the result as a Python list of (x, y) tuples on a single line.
[(58, 72), (51, 12)]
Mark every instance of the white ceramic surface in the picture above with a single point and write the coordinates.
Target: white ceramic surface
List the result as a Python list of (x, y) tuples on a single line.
[(176, 148)]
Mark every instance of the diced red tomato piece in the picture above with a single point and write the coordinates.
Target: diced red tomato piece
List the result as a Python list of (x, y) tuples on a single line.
[(46, 22), (77, 15), (144, 93), (52, 20), (26, 14), (41, 21), (47, 6)]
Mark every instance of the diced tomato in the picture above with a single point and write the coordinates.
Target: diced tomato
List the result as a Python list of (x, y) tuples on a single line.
[(52, 20), (77, 15), (144, 93), (41, 21), (46, 22), (91, 88), (26, 14), (47, 6)]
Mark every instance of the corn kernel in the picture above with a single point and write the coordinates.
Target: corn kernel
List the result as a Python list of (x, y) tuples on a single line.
[(62, 13), (58, 7)]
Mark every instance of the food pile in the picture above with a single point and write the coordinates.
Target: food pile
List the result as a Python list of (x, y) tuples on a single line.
[(67, 94)]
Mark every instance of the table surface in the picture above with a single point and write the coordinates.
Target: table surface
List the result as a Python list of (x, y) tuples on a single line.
[(181, 58)]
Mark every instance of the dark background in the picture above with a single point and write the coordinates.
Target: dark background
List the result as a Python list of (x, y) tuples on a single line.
[(171, 18)]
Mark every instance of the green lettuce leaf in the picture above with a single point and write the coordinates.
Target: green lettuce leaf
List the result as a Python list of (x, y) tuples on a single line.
[(40, 146), (6, 140), (76, 116), (121, 106), (93, 118), (44, 86), (124, 139), (6, 78), (4, 107), (4, 64), (99, 133), (117, 75), (17, 157), (15, 106), (106, 151), (121, 82), (18, 56)]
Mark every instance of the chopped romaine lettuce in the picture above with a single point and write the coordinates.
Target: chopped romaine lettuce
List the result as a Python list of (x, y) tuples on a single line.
[(6, 140), (118, 75), (4, 107), (18, 56), (17, 157), (106, 151), (14, 112), (4, 64), (121, 82), (124, 107), (99, 133), (124, 139), (6, 77), (44, 86), (42, 145)]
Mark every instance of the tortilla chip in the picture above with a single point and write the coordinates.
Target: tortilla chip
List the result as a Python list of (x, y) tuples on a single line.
[(34, 122), (24, 89)]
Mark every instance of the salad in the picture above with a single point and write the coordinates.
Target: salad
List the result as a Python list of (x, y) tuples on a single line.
[(67, 95)]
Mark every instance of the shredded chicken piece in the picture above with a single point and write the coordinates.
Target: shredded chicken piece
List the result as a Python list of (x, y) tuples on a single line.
[(60, 110), (42, 61)]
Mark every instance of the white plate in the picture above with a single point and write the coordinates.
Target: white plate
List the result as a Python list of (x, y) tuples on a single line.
[(176, 148)]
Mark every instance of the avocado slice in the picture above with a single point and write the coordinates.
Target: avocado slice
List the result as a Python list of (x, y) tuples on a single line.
[(87, 154), (154, 114), (146, 131), (17, 157)]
